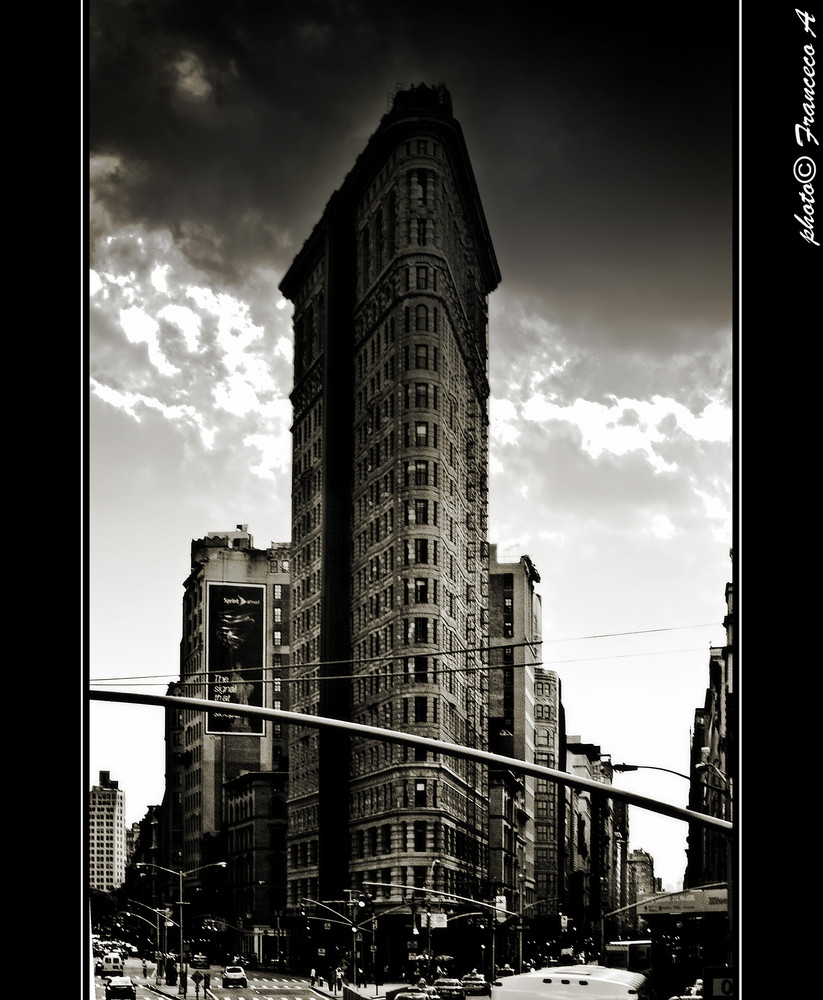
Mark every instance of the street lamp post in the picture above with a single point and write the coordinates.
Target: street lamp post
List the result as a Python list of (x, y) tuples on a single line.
[(648, 767), (167, 921), (181, 875), (429, 886)]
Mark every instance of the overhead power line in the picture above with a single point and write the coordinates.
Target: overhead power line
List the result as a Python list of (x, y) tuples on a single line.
[(175, 678)]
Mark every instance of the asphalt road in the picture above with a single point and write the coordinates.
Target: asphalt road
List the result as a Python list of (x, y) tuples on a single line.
[(260, 983)]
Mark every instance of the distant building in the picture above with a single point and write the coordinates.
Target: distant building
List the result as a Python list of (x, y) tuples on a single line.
[(714, 763), (522, 710), (255, 806), (132, 836), (107, 834), (596, 839), (642, 882)]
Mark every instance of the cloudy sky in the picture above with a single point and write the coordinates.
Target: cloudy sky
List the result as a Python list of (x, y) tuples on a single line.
[(603, 145)]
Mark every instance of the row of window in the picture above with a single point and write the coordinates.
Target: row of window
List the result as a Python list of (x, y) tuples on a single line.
[(417, 395), (308, 425), (379, 341)]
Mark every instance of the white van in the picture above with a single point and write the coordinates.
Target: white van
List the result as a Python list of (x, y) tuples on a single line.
[(111, 964)]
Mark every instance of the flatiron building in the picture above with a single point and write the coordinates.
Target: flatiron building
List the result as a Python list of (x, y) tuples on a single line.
[(390, 556)]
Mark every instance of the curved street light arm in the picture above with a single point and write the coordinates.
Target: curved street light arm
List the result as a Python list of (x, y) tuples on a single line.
[(438, 746), (315, 902), (648, 767)]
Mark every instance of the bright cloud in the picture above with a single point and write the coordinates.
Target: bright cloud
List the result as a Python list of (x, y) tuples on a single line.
[(140, 328), (186, 320), (132, 403), (629, 425)]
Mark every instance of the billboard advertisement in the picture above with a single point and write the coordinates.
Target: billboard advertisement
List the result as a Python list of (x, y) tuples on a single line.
[(235, 653)]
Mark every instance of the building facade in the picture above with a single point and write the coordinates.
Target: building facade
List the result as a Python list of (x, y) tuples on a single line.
[(713, 761), (596, 834), (234, 649), (389, 511), (516, 702), (107, 834)]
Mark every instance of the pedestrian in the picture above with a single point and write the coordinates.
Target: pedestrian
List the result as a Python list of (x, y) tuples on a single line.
[(313, 976), (206, 982), (144, 969)]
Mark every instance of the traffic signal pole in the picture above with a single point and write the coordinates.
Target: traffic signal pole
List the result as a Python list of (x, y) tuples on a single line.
[(439, 746)]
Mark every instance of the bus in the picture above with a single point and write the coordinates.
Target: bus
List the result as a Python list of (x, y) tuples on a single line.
[(562, 982), (634, 956)]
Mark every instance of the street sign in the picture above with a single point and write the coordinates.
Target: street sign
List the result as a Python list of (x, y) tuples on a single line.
[(197, 977)]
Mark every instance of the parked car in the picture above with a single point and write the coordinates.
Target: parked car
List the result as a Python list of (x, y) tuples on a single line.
[(475, 985), (199, 961), (449, 989), (120, 988), (234, 975)]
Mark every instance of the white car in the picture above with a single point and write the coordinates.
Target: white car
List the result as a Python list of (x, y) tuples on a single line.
[(120, 988), (234, 975)]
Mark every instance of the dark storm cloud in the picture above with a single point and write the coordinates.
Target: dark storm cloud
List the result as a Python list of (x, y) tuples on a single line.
[(602, 140)]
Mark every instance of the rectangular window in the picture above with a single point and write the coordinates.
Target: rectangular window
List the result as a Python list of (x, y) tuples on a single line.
[(421, 590), (421, 473), (420, 835), (421, 355), (421, 512), (421, 434), (421, 550), (421, 395), (421, 629), (420, 794)]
